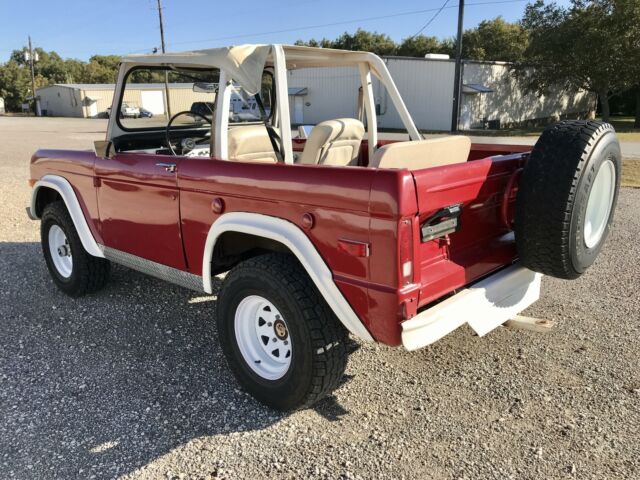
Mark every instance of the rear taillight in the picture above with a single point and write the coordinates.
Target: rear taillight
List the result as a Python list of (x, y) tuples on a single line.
[(405, 257)]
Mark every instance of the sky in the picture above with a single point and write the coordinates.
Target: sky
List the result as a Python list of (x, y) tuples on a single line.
[(79, 29)]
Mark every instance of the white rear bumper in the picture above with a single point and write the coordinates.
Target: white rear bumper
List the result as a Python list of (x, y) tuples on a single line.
[(484, 306)]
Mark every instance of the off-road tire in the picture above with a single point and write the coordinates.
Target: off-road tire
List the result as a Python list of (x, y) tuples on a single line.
[(319, 341), (553, 193), (89, 274)]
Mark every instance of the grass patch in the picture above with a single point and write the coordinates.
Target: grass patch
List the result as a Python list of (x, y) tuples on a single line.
[(630, 173), (624, 129), (623, 125)]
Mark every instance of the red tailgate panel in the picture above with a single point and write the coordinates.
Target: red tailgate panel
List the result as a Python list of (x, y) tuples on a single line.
[(483, 243)]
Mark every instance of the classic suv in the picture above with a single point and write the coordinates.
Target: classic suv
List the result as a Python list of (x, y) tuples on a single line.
[(395, 242)]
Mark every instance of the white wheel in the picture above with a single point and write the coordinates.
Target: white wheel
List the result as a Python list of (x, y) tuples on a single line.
[(60, 251), (263, 337), (599, 204)]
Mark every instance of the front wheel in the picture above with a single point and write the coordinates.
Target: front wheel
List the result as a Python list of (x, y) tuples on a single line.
[(281, 340), (73, 270)]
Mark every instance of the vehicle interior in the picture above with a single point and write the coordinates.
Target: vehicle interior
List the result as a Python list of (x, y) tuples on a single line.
[(194, 102)]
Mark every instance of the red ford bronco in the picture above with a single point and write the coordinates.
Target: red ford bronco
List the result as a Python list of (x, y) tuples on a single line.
[(323, 235)]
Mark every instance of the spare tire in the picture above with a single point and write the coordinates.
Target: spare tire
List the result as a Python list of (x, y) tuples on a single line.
[(566, 197)]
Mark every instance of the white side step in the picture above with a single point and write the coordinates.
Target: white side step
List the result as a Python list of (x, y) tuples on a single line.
[(484, 306)]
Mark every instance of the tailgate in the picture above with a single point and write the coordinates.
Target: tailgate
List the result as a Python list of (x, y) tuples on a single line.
[(464, 235)]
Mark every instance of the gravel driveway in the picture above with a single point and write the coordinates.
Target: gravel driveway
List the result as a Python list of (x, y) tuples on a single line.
[(131, 383)]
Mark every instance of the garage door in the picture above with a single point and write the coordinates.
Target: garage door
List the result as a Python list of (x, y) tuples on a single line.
[(153, 100)]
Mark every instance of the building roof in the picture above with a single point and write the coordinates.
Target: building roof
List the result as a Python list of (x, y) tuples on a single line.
[(298, 91), (112, 86), (475, 88)]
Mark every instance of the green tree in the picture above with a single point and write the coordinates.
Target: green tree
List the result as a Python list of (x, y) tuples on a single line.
[(49, 65), (584, 46), (363, 40), (74, 71), (420, 45), (495, 40), (324, 43), (375, 42), (629, 19), (101, 69), (15, 84)]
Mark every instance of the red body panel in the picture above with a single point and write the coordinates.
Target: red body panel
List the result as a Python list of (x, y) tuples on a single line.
[(469, 253), (78, 168), (141, 209)]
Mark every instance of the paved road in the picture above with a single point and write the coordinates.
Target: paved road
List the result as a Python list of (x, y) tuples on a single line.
[(130, 382)]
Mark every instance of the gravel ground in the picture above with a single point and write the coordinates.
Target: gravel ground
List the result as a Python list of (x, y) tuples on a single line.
[(131, 383)]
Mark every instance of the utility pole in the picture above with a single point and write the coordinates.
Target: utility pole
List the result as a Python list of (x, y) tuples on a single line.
[(457, 82), (36, 103), (166, 74)]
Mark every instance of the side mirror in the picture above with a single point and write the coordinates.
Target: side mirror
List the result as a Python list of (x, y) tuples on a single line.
[(104, 148), (304, 131)]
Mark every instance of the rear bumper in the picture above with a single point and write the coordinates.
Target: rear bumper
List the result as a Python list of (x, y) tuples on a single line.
[(484, 306)]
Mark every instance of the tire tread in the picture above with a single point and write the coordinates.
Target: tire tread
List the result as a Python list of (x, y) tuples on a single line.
[(92, 273), (547, 192), (328, 336)]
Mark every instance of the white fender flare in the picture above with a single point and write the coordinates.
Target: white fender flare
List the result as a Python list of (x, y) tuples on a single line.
[(299, 244), (64, 188)]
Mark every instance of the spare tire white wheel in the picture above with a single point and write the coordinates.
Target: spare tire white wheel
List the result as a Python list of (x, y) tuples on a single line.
[(566, 197)]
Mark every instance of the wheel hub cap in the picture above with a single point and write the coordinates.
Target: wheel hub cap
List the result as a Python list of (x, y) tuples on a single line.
[(280, 329), (599, 204), (60, 251), (263, 337)]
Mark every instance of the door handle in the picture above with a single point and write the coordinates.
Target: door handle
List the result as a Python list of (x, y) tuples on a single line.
[(169, 167)]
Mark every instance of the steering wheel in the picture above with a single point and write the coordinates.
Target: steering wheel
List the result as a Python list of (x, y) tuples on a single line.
[(187, 143)]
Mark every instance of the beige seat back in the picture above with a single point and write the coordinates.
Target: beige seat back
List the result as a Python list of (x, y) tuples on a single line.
[(334, 142), (421, 154), (250, 143)]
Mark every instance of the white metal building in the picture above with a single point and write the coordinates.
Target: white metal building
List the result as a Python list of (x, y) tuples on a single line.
[(490, 94), (92, 100)]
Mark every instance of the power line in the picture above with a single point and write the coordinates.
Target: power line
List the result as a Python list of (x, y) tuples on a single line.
[(346, 22), (430, 20), (333, 24)]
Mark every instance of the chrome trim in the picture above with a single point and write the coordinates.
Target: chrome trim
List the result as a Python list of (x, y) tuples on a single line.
[(157, 270), (169, 167)]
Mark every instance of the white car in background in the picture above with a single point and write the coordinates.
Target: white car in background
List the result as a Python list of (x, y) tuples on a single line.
[(129, 111), (126, 111)]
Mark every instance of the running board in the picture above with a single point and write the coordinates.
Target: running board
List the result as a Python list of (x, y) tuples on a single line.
[(157, 270)]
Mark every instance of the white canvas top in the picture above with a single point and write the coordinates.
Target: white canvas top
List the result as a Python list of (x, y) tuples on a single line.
[(245, 63)]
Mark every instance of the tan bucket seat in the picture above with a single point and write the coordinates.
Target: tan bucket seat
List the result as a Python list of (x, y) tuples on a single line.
[(250, 143), (333, 142)]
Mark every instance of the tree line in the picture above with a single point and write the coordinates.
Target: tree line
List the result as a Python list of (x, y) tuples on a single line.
[(591, 44)]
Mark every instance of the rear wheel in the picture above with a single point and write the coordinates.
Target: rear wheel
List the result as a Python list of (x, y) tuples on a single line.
[(566, 197), (282, 342), (73, 270)]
